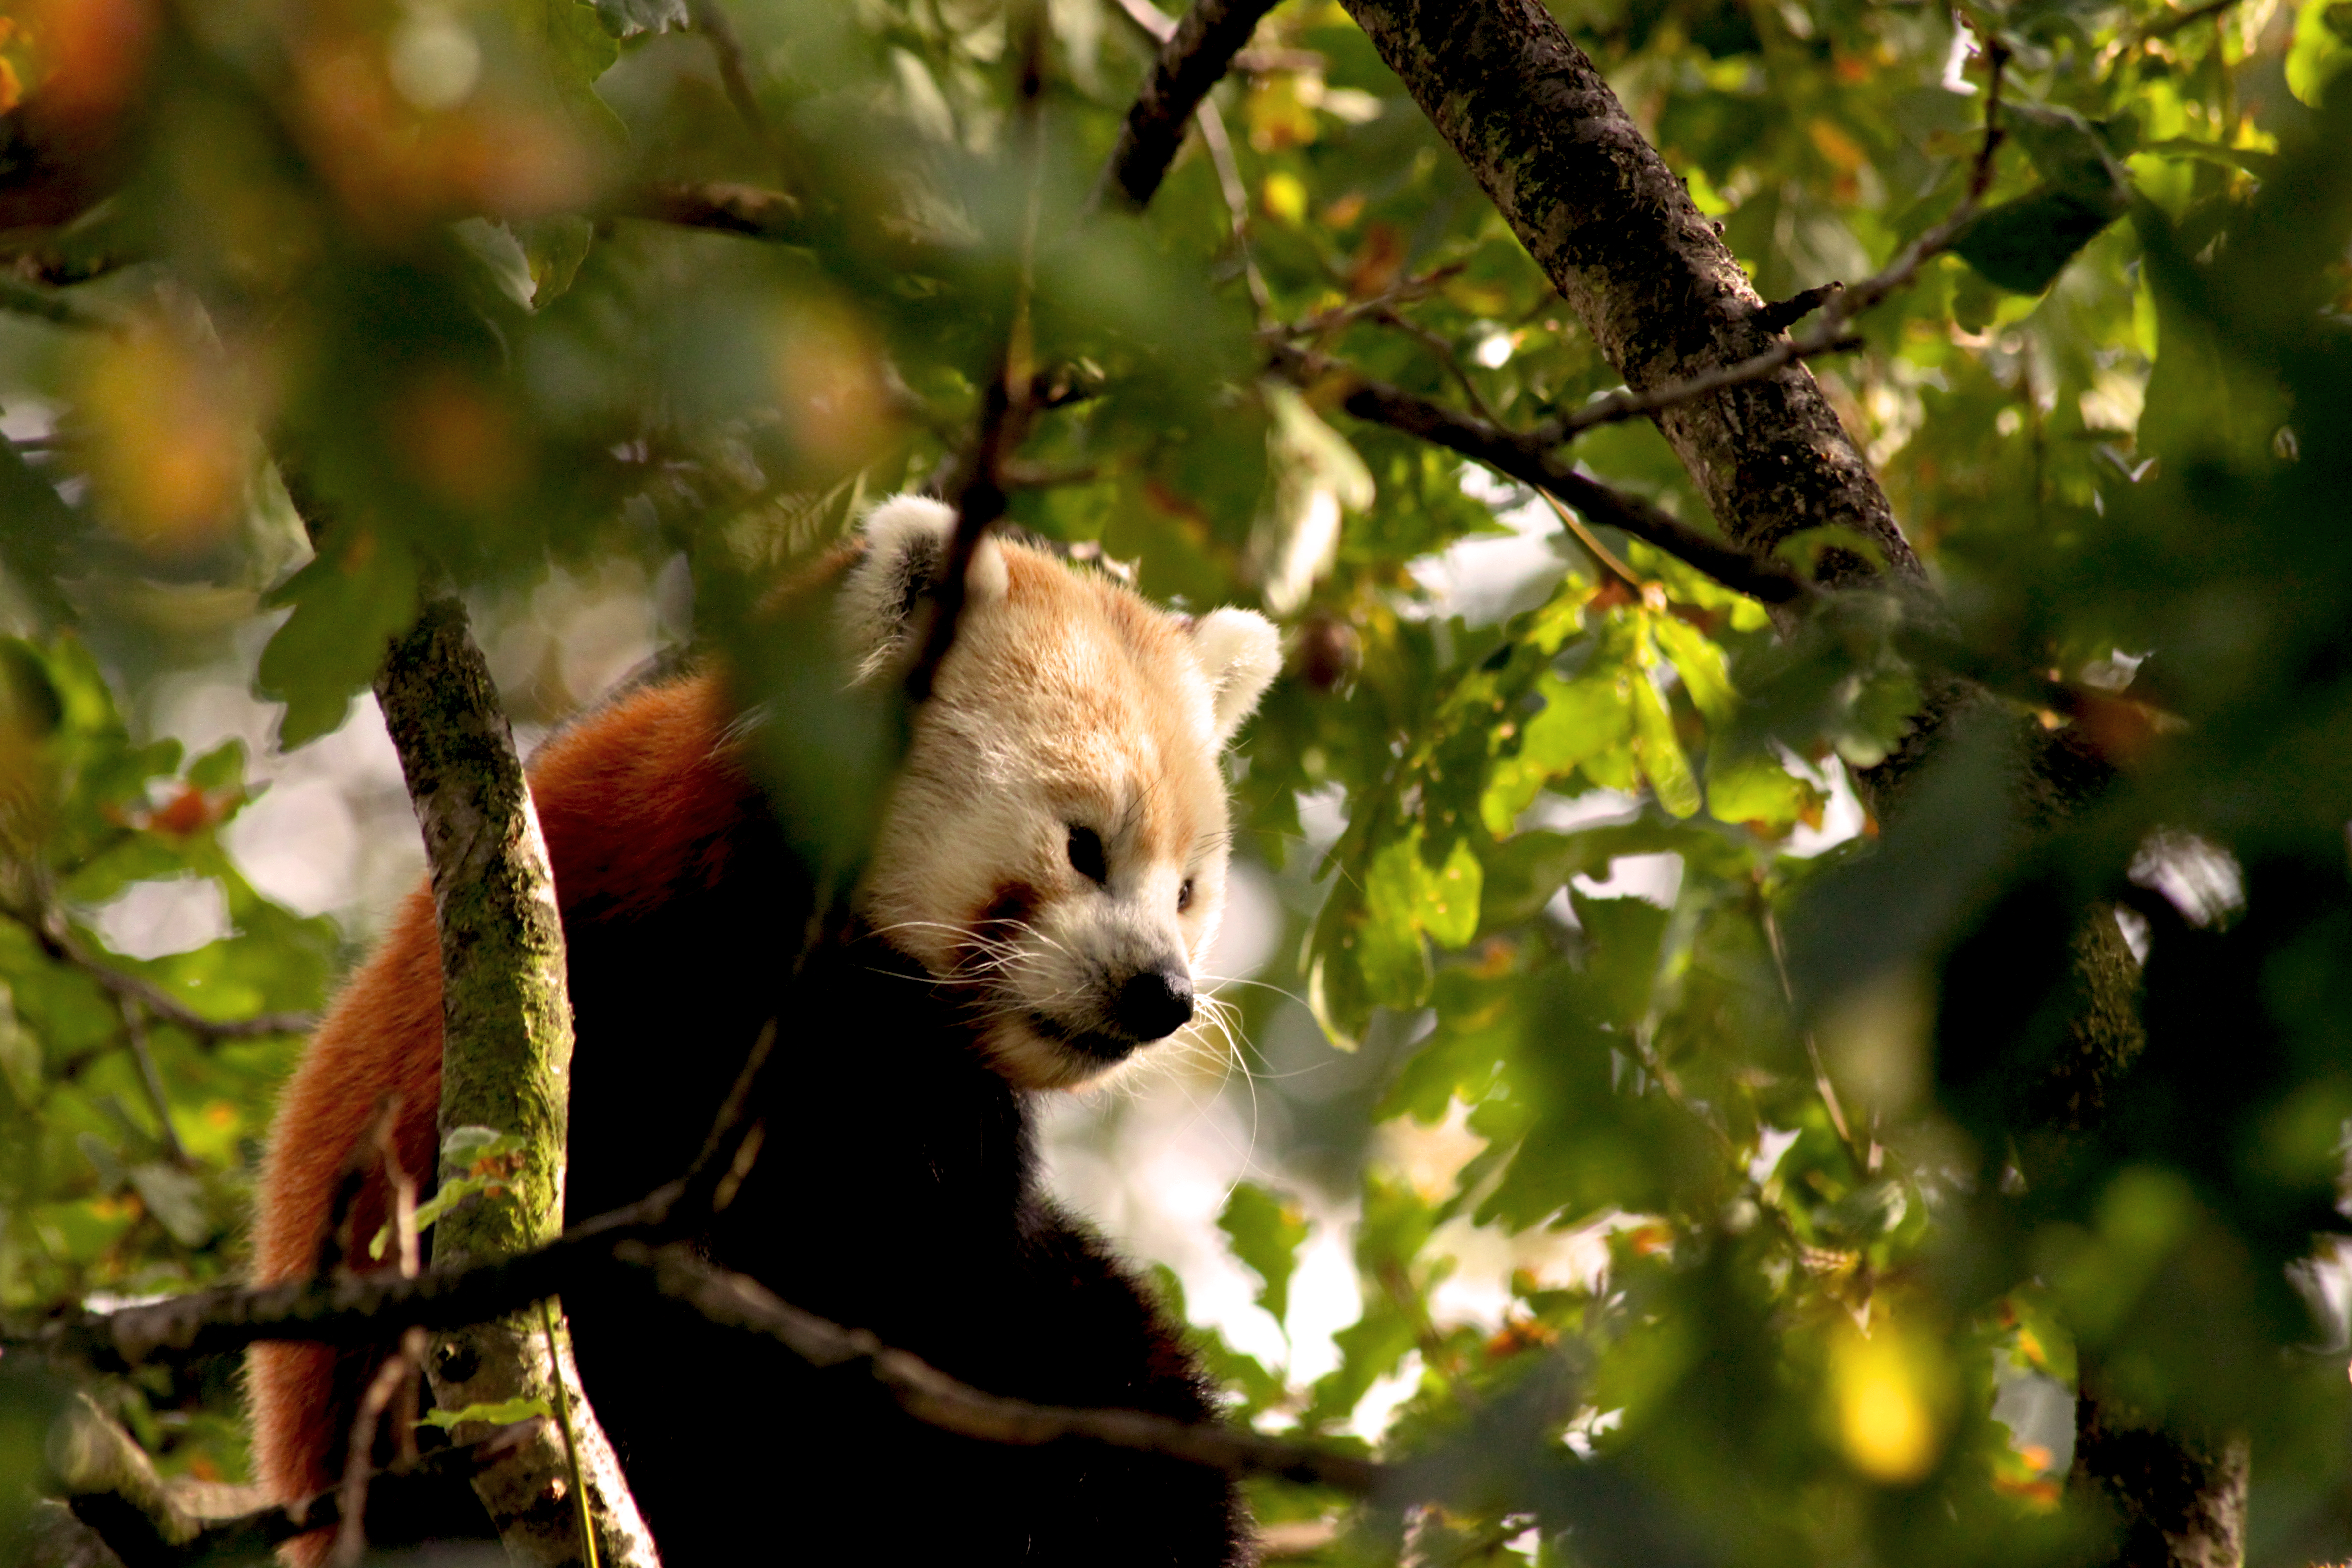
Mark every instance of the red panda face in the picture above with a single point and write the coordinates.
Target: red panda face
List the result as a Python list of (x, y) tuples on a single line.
[(1054, 852)]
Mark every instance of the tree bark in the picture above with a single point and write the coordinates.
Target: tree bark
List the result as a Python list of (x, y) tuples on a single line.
[(1664, 299), (1618, 235), (2176, 1501), (506, 1064)]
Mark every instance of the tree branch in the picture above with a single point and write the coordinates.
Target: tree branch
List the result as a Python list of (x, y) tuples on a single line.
[(1195, 56), (1668, 304), (58, 943), (114, 1492), (31, 299), (737, 1300), (1662, 296), (1160, 28), (1524, 460), (725, 205), (349, 1311), (977, 487), (505, 1064), (734, 69), (1838, 303)]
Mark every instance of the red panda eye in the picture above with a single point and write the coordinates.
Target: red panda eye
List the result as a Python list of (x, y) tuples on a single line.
[(1185, 896), (1086, 858)]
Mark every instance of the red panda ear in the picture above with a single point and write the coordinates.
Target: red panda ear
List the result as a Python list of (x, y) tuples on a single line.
[(906, 542), (1241, 653)]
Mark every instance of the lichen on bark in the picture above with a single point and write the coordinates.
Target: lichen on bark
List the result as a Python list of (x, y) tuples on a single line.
[(506, 1064), (505, 1055)]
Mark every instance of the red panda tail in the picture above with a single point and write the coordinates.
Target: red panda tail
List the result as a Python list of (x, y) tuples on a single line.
[(636, 802), (383, 1039)]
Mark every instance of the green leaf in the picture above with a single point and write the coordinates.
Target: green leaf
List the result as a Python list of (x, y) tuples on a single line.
[(2322, 47), (37, 530), (504, 1413), (349, 604), (1266, 1233), (554, 249), (33, 708), (1389, 946), (580, 46), (2070, 153), (1753, 786), (1449, 906), (222, 768), (176, 1200), (2023, 243), (20, 1054), (1581, 719), (1624, 936), (470, 1145), (484, 1154), (1707, 675), (1659, 753)]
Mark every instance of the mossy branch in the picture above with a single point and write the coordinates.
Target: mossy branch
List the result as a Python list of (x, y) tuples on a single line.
[(506, 1064)]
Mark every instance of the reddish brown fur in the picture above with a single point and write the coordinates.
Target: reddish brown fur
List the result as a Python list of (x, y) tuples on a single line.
[(657, 762)]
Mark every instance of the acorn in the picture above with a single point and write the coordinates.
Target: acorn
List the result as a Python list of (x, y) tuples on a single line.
[(1328, 653)]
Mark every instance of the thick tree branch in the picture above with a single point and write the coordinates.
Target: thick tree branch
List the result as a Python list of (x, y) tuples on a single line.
[(1524, 460), (114, 1491), (1838, 303), (1663, 296), (505, 1064), (1195, 56)]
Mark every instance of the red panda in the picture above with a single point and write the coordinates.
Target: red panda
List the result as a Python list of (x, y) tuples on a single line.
[(1048, 875)]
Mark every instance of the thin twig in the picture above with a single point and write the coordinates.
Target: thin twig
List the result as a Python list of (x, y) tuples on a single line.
[(59, 944), (563, 1422), (709, 19), (977, 489), (1323, 323), (1437, 344), (1237, 194), (359, 1465), (1598, 551), (1435, 341), (1828, 333), (725, 205), (134, 1031), (23, 298), (1160, 27), (1195, 56), (1623, 403), (2165, 27), (403, 1189), (1524, 459), (1821, 1084)]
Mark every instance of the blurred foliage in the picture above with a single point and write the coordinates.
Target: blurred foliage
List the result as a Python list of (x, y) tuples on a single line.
[(1799, 1101)]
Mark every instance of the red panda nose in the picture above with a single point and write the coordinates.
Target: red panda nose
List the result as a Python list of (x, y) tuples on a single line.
[(1154, 1004)]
